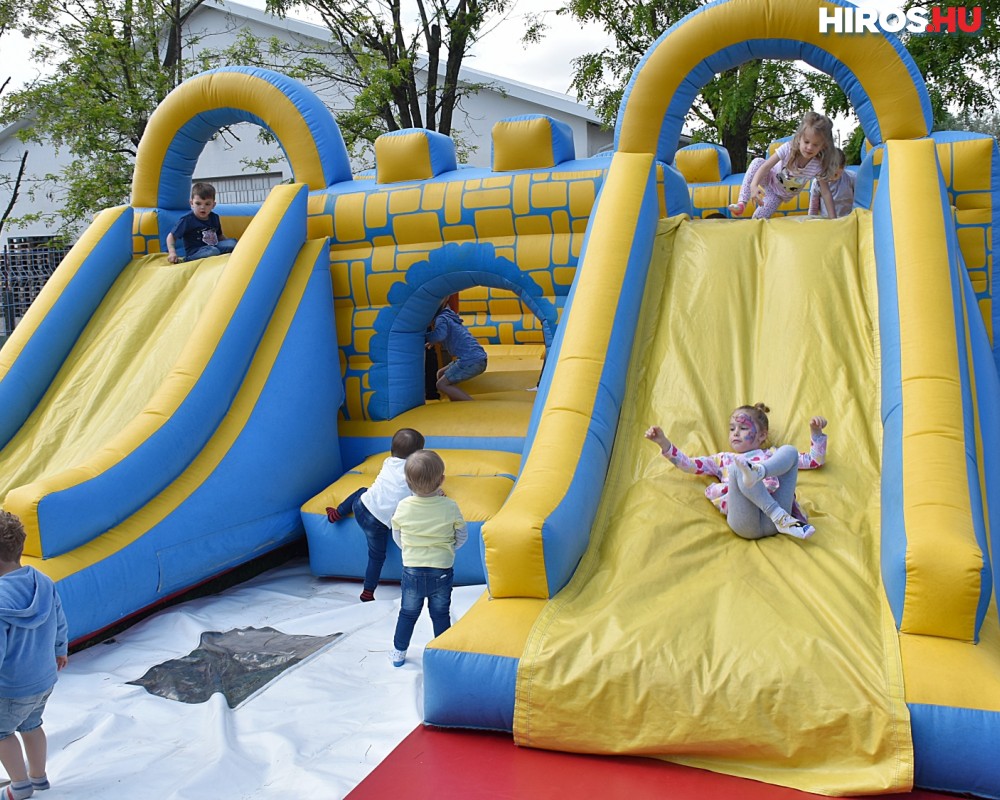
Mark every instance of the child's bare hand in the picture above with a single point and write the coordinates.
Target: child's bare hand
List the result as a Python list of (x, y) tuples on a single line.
[(816, 424), (655, 434), (61, 662), (173, 258)]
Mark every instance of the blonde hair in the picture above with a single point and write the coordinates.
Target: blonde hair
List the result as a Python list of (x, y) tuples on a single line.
[(822, 126), (424, 471)]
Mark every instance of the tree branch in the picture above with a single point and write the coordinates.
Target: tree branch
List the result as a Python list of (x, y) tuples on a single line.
[(15, 192)]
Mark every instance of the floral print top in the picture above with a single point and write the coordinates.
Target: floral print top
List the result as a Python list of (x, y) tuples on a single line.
[(718, 465)]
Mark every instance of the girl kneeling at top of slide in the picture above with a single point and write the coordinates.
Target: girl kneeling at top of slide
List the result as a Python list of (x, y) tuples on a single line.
[(770, 182)]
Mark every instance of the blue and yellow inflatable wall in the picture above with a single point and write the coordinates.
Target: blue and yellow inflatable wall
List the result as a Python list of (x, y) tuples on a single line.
[(937, 385), (293, 361)]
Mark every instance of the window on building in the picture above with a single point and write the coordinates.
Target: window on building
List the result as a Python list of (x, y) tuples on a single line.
[(243, 188)]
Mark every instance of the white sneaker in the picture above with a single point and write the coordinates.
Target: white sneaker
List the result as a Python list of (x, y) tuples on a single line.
[(397, 657), (751, 472), (786, 523)]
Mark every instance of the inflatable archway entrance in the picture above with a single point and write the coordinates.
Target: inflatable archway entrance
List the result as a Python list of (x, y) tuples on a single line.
[(877, 73), (200, 107), (396, 376)]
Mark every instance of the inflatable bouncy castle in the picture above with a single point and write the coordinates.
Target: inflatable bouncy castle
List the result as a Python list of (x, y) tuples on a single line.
[(163, 423)]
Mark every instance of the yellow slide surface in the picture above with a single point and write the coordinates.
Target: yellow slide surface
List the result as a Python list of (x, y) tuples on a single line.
[(123, 356), (774, 659)]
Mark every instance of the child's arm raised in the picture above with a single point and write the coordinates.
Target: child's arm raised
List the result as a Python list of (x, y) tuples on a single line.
[(702, 465), (816, 457), (655, 434)]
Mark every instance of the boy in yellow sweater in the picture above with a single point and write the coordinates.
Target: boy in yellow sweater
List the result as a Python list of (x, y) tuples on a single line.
[(428, 527)]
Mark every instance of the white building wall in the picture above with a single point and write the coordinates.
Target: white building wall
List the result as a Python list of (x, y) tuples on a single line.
[(36, 194), (217, 24)]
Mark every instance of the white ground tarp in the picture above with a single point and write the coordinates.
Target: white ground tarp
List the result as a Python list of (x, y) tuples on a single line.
[(315, 731)]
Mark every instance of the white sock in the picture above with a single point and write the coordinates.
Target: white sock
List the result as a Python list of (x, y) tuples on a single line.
[(752, 473), (786, 523)]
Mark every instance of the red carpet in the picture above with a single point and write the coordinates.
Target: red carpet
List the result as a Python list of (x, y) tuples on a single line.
[(438, 764)]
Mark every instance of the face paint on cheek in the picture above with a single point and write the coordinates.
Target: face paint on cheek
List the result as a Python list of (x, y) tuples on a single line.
[(743, 419)]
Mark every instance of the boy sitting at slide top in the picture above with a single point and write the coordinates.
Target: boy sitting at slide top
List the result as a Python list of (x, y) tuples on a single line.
[(200, 229)]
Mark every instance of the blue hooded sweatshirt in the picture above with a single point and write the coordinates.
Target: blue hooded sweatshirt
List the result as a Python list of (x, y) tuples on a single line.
[(33, 632), (448, 328)]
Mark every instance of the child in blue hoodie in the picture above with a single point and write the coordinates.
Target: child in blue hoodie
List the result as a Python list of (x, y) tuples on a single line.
[(33, 647), (470, 358)]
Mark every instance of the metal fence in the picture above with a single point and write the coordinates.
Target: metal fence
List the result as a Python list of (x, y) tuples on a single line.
[(26, 263)]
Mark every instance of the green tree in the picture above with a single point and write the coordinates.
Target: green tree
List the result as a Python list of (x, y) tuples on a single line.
[(962, 71), (599, 78), (110, 62), (391, 72), (748, 107), (988, 123), (11, 183), (744, 108)]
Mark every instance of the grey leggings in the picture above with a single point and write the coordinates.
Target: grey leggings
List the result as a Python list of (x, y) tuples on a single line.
[(766, 207), (751, 509)]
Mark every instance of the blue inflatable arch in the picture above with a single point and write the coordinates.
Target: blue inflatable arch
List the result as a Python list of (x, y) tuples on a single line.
[(876, 72), (397, 348), (202, 106)]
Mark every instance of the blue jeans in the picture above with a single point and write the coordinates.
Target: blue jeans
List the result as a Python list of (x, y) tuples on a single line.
[(458, 371), (224, 246), (22, 714), (418, 583), (375, 532)]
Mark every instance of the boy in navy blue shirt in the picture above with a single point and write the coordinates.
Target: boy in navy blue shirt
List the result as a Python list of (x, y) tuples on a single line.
[(200, 229), (33, 647)]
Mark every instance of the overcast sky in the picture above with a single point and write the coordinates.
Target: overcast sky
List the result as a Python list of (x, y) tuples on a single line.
[(501, 52), (546, 64)]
